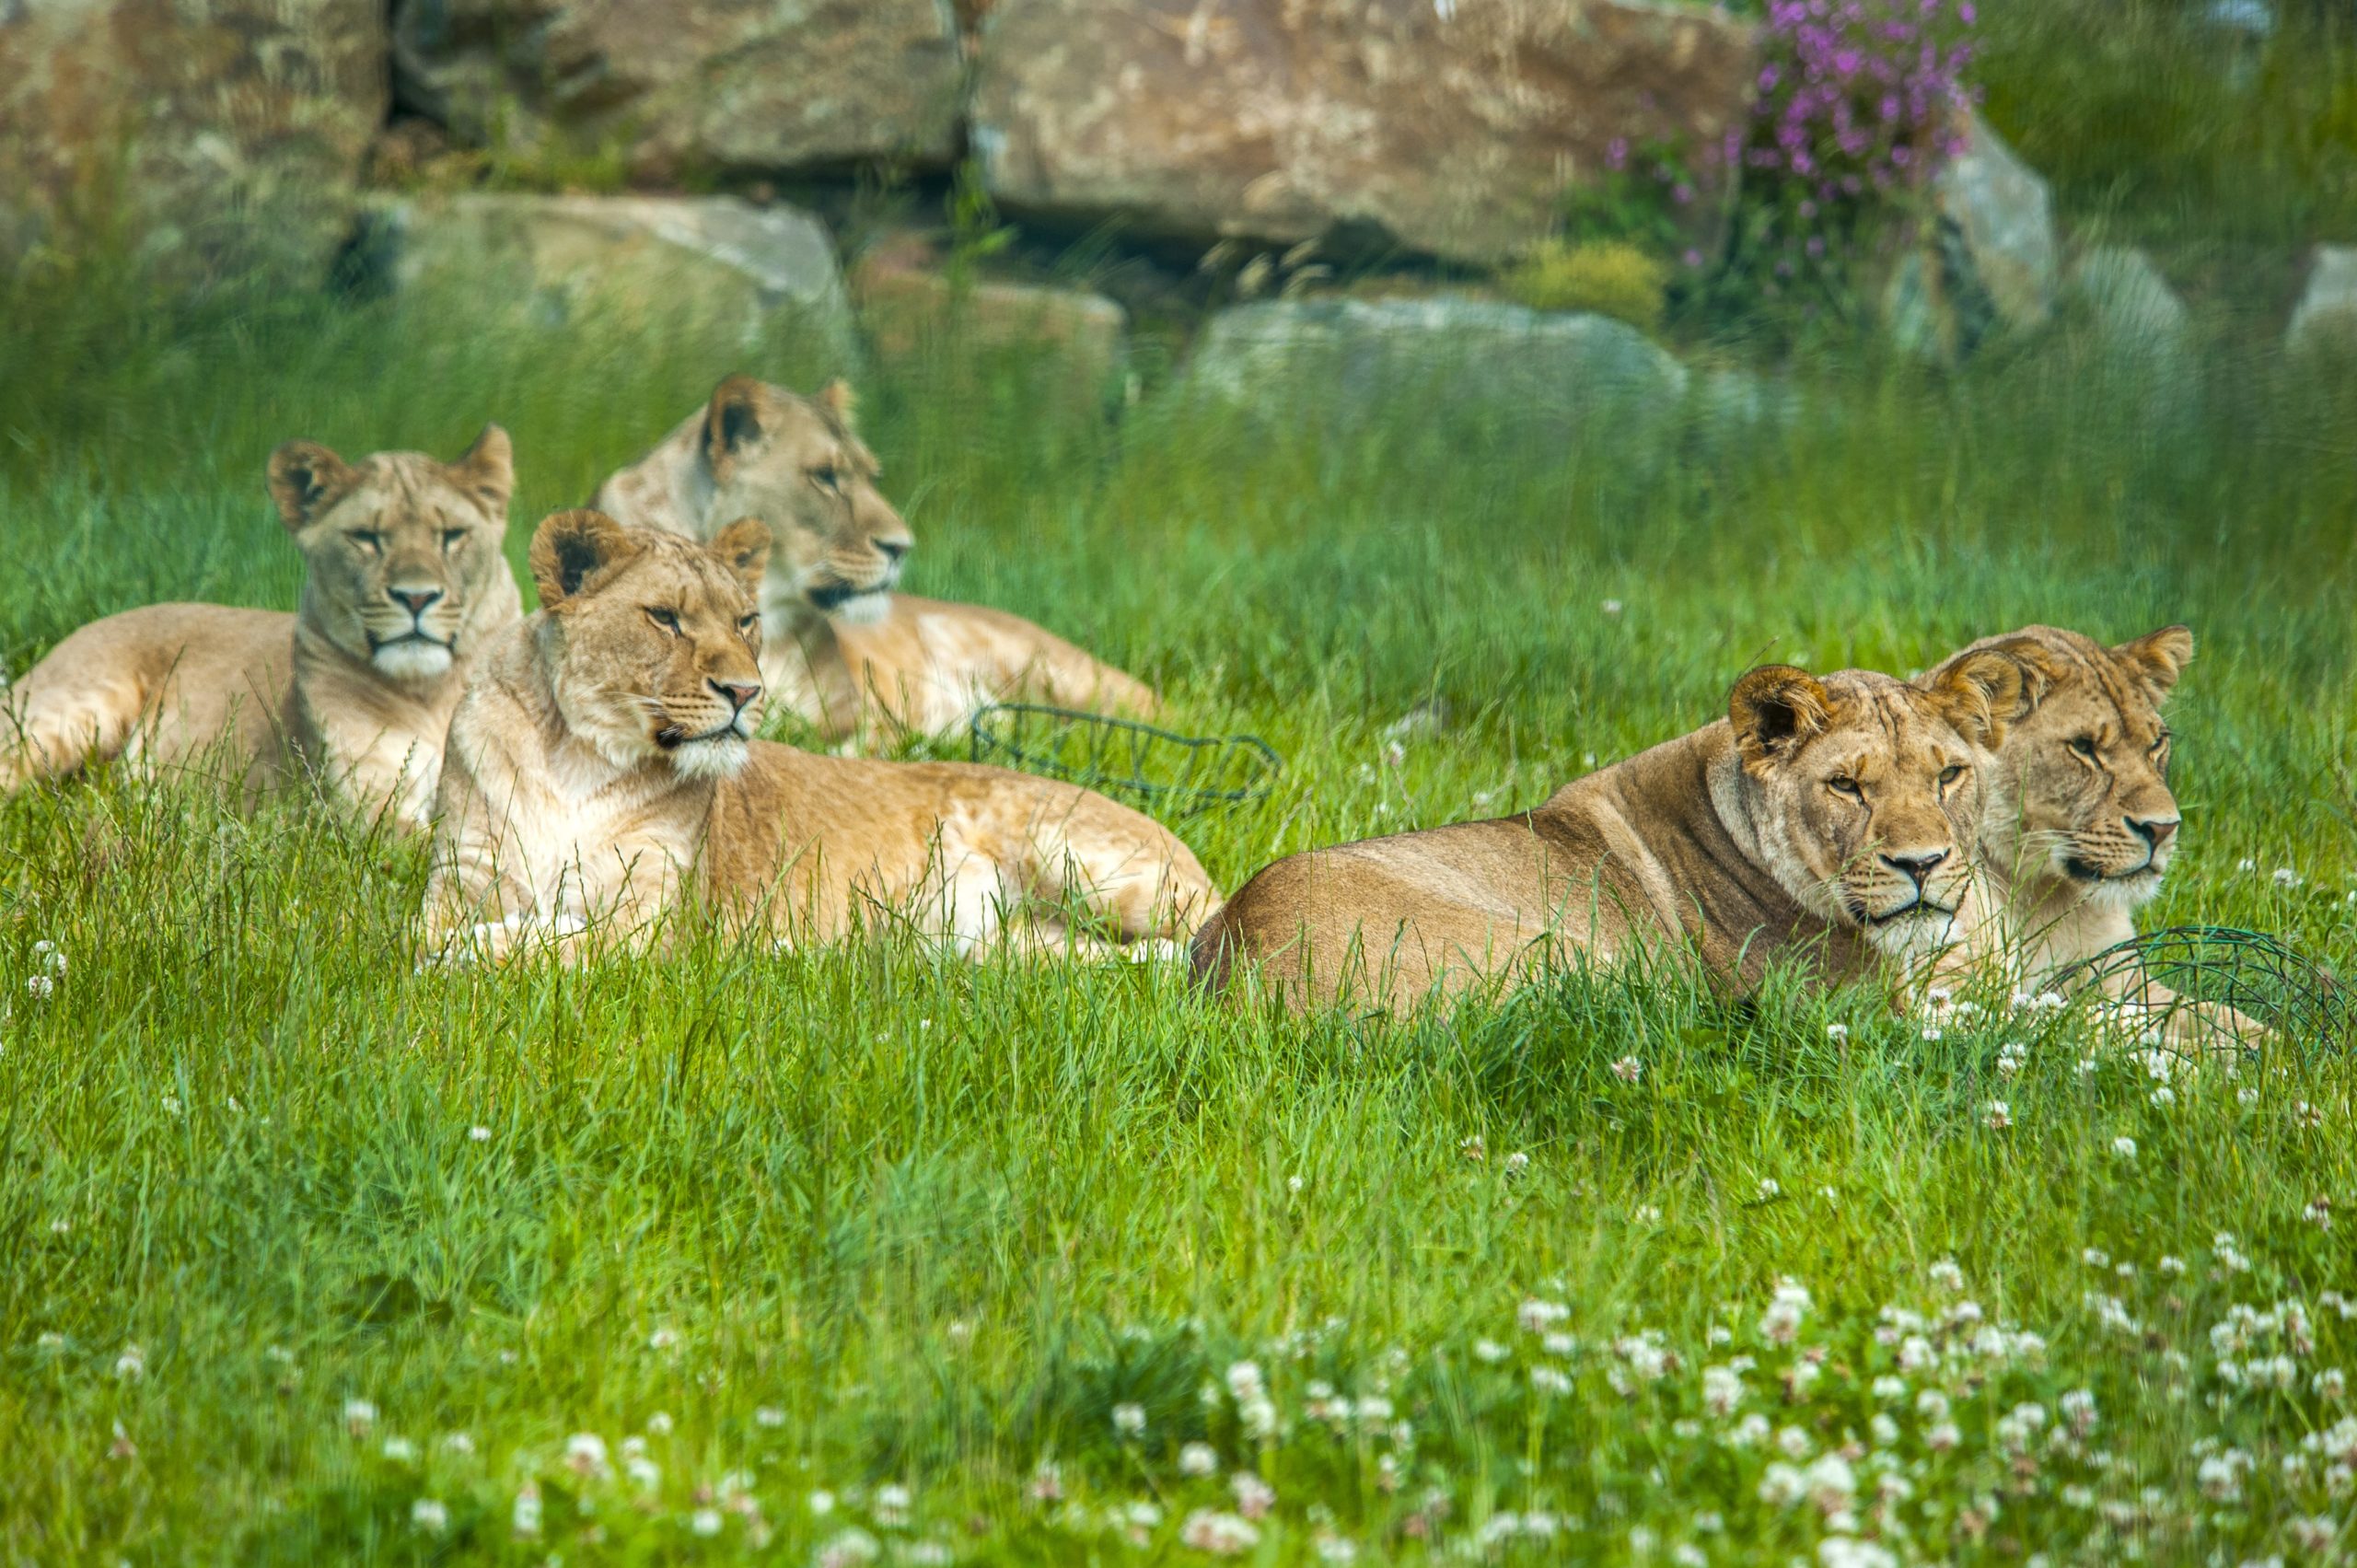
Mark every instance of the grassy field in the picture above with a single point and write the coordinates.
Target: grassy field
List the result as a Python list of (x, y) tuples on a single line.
[(871, 1256)]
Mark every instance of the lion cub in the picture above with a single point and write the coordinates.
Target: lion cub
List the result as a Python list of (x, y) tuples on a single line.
[(842, 650), (403, 579), (1834, 817), (602, 770)]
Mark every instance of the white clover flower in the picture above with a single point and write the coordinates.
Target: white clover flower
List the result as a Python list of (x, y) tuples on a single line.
[(585, 1456), (1723, 1390), (2286, 877), (769, 1416), (820, 1503), (479, 1135), (1998, 1115), (1946, 1274), (1333, 1548), (704, 1521), (2096, 1257), (1549, 1380), (1748, 1433), (1129, 1420), (1793, 1443), (1781, 1485), (359, 1415), (1628, 1069), (428, 1517), (1473, 1147), (1768, 1187), (2247, 864), (458, 1443), (1198, 1460), (890, 1505), (400, 1450), (644, 1472), (2124, 1146), (1516, 1164), (1220, 1534), (1258, 1417), (2012, 1057), (525, 1517), (132, 1364), (1254, 1497), (1836, 1032), (1244, 1380), (662, 1338), (853, 1548), (40, 987), (1942, 1437), (1537, 1316), (1489, 1351), (659, 1423), (173, 1108), (1884, 1430)]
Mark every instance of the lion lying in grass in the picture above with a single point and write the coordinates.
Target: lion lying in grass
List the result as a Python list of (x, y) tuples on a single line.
[(1831, 818), (404, 580), (601, 775), (842, 650)]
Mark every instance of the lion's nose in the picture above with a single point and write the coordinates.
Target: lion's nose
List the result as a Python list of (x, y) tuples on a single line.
[(415, 600), (892, 549), (738, 696), (1917, 867), (2154, 831)]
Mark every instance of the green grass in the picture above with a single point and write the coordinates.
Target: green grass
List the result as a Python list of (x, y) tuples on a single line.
[(842, 1222)]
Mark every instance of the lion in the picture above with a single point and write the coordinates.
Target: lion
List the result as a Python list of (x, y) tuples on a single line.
[(603, 773), (2081, 825), (405, 579), (842, 650), (1830, 817)]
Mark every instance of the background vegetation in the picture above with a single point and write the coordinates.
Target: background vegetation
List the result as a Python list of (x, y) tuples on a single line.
[(878, 1256)]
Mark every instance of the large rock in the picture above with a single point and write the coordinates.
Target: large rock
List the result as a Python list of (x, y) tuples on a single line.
[(2141, 335), (227, 135), (1549, 374), (910, 301), (680, 85), (2326, 317), (1987, 264), (1452, 129), (644, 262)]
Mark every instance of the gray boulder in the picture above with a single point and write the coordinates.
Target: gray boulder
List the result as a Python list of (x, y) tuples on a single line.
[(648, 262), (2326, 317), (1450, 129), (2140, 334), (687, 85), (232, 131), (1987, 265), (1562, 375)]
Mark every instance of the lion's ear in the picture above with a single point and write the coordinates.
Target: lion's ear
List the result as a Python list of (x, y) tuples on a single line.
[(488, 471), (1775, 709), (571, 549), (305, 479), (745, 545), (837, 398), (1982, 692), (2157, 658), (733, 422), (2041, 672)]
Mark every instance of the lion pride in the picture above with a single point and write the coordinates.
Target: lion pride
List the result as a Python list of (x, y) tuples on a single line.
[(601, 775), (842, 650), (403, 582), (1833, 817)]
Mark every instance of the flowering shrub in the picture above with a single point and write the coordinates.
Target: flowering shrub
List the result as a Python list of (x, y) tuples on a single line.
[(1859, 104)]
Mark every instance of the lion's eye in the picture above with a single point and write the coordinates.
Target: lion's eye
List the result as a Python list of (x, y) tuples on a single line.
[(2160, 745), (1949, 774), (747, 624), (826, 478), (665, 618), (368, 540), (2084, 746), (453, 537), (1842, 783)]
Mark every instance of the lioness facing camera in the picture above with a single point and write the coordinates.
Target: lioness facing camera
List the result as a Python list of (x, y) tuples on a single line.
[(842, 649), (405, 579), (1836, 816), (602, 773)]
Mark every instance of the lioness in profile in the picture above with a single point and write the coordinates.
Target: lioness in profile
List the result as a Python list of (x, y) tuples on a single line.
[(840, 648), (1834, 817), (601, 774), (403, 581)]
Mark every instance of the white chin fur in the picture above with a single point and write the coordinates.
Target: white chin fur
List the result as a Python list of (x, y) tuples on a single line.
[(1918, 935), (864, 609), (710, 758), (412, 660), (2125, 893)]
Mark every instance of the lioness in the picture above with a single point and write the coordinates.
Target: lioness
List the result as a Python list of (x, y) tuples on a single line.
[(403, 579), (602, 770), (1836, 813), (842, 649)]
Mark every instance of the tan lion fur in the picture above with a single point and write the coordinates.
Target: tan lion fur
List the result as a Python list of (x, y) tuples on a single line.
[(842, 650), (601, 775), (354, 689), (1742, 842)]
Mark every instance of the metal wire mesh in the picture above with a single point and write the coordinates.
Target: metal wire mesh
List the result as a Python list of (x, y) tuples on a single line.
[(1175, 775), (2220, 987)]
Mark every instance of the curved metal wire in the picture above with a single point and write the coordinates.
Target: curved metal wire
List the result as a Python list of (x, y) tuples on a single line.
[(2225, 987), (1177, 775)]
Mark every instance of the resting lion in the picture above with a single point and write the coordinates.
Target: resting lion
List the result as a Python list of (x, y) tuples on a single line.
[(1835, 816), (2081, 824), (842, 650), (403, 579), (601, 774)]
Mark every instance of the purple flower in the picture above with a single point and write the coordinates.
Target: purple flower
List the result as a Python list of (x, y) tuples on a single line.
[(1616, 153), (1683, 195), (1693, 258)]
